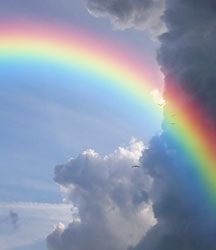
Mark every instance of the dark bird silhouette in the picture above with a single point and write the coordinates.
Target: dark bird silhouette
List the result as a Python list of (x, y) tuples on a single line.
[(161, 104), (135, 166)]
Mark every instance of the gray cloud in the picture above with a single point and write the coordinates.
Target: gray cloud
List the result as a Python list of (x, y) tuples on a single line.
[(14, 218), (184, 219), (111, 198), (186, 51), (138, 14)]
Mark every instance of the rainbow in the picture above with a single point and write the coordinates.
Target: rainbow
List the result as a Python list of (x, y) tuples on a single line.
[(192, 128), (70, 48), (79, 51)]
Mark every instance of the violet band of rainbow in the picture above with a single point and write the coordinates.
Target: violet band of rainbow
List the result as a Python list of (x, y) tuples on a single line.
[(125, 73)]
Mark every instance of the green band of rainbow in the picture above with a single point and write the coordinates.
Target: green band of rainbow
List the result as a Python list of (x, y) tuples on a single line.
[(82, 50)]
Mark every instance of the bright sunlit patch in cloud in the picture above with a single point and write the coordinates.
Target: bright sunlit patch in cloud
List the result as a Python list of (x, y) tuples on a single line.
[(158, 97)]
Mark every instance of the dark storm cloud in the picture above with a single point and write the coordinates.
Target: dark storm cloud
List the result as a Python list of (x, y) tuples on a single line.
[(111, 198), (187, 50), (187, 53), (183, 219), (139, 14)]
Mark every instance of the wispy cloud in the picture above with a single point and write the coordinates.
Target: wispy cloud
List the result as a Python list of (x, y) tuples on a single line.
[(34, 220)]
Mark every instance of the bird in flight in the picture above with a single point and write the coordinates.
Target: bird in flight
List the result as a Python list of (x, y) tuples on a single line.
[(161, 104), (135, 166)]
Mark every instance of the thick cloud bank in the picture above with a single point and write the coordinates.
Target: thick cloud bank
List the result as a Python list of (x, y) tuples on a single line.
[(114, 210), (187, 51), (138, 14), (184, 219)]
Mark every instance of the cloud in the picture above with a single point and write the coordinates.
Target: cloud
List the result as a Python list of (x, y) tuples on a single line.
[(111, 197), (138, 14), (14, 218), (11, 217), (164, 186), (32, 221), (187, 49), (158, 97), (184, 220)]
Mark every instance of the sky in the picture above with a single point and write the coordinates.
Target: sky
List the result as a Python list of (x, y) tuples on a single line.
[(45, 121), (69, 140)]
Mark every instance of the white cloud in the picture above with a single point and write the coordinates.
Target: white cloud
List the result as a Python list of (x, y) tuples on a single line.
[(158, 97), (111, 198)]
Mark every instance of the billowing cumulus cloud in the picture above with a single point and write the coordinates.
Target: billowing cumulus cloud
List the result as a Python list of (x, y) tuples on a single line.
[(111, 197), (164, 185), (138, 14)]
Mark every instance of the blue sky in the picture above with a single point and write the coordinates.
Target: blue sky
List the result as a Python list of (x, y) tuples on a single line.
[(67, 153), (45, 121)]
